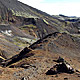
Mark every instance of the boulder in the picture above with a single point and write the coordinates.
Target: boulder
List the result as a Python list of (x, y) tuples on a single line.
[(61, 67)]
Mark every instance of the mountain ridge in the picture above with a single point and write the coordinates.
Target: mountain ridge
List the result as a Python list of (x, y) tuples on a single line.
[(23, 31)]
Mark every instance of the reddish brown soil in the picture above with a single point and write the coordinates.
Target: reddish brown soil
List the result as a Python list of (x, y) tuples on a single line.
[(39, 64)]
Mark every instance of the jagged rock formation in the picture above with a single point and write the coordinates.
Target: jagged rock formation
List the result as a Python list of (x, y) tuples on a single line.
[(61, 67)]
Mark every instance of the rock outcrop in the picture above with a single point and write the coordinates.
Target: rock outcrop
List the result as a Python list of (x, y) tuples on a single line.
[(61, 67)]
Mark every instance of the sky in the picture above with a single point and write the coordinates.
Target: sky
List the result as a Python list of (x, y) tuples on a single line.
[(56, 7)]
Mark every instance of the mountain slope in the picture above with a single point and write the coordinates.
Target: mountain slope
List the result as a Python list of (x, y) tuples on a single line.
[(34, 62), (21, 25), (31, 42), (30, 20)]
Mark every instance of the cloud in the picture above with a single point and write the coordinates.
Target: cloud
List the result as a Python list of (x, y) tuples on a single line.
[(32, 2), (68, 8)]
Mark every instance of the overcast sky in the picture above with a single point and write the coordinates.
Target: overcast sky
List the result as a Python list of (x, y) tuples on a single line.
[(56, 7)]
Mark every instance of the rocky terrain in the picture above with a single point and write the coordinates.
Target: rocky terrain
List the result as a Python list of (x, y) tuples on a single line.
[(67, 18), (37, 46)]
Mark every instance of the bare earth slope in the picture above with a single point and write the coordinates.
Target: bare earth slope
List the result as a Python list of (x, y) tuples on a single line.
[(34, 62)]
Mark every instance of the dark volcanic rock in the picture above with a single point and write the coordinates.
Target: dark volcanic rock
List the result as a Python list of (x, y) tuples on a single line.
[(24, 53), (61, 67)]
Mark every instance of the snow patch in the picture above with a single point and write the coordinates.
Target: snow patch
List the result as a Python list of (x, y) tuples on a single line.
[(7, 32)]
